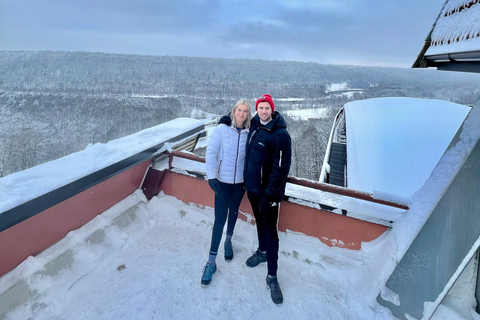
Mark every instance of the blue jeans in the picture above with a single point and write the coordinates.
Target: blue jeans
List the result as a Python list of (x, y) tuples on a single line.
[(227, 201)]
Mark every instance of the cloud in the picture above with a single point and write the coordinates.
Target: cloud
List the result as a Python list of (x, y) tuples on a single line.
[(341, 31), (364, 32)]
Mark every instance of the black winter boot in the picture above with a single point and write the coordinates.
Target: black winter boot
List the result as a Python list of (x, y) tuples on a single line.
[(257, 258), (275, 291)]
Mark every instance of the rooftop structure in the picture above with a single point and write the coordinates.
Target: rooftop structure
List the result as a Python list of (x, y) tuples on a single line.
[(454, 40)]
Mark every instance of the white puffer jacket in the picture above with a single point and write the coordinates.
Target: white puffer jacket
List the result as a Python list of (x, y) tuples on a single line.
[(225, 156)]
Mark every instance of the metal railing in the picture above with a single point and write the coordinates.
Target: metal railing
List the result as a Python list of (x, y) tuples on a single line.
[(307, 183)]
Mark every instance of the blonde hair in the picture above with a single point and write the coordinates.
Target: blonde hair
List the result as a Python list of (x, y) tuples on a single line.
[(246, 124)]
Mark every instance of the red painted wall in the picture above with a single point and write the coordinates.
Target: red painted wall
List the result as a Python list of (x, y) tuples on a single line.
[(331, 228), (34, 235), (37, 233)]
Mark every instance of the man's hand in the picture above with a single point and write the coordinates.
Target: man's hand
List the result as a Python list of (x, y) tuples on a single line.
[(214, 185), (265, 204)]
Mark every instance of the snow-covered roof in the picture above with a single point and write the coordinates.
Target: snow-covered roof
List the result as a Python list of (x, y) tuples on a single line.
[(457, 28), (454, 38), (393, 144), (16, 189)]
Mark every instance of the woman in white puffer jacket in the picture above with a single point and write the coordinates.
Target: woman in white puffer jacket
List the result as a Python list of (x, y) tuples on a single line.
[(225, 158)]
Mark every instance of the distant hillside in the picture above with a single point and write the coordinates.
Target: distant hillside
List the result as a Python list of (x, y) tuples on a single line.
[(55, 103), (135, 74)]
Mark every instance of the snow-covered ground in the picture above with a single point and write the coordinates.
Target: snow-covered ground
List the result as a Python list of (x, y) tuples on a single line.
[(151, 268), (343, 88), (337, 87), (305, 114), (290, 99)]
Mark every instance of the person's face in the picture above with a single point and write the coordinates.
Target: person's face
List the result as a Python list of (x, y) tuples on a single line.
[(264, 111), (240, 115)]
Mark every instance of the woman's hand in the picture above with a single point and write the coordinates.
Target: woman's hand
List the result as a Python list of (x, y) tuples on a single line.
[(214, 185)]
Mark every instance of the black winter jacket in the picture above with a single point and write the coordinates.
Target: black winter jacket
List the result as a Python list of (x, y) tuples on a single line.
[(268, 158)]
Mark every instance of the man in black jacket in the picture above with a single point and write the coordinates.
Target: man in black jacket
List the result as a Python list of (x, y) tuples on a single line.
[(267, 163)]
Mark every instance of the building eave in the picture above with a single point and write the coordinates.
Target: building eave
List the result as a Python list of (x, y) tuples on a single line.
[(468, 61)]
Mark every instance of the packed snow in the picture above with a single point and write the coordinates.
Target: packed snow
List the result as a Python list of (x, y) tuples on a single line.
[(17, 188), (151, 268), (393, 144)]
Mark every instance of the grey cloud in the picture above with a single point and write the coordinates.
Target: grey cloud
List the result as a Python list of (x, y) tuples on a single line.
[(364, 32), (116, 16), (373, 31)]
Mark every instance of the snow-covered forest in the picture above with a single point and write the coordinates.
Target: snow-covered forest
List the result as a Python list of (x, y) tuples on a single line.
[(56, 103)]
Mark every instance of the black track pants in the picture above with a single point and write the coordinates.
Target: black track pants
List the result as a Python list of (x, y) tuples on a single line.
[(267, 232)]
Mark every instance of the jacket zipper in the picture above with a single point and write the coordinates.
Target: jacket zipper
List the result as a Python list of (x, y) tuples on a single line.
[(236, 159), (251, 137)]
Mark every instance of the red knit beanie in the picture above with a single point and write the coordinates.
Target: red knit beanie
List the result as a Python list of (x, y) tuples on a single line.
[(266, 98)]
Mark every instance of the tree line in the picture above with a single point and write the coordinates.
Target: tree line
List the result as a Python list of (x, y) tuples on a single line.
[(56, 103)]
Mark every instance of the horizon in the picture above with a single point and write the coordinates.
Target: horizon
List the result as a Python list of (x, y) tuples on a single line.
[(213, 58)]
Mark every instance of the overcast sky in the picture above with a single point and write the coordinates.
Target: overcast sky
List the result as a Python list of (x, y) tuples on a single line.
[(354, 32)]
